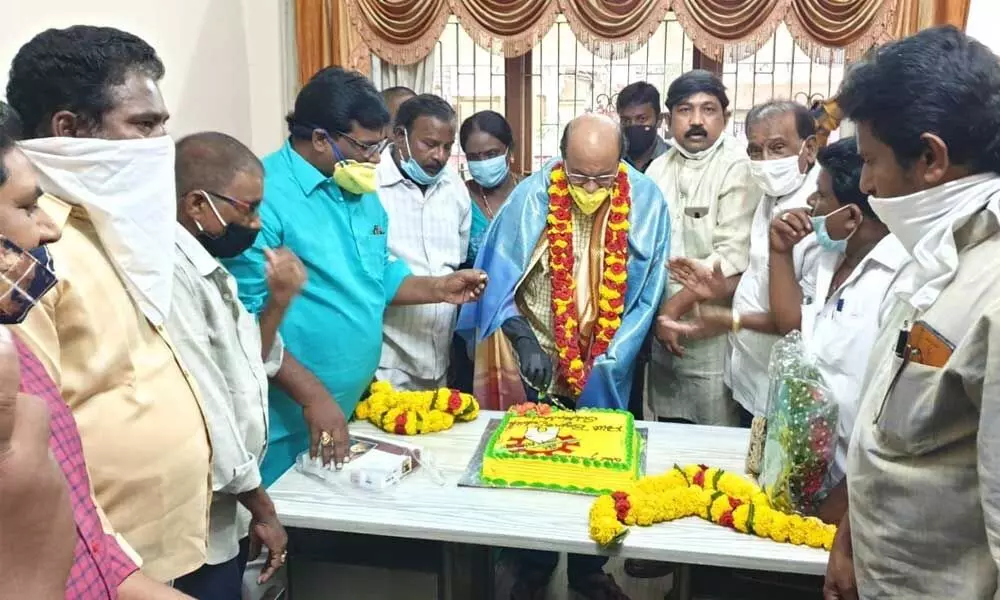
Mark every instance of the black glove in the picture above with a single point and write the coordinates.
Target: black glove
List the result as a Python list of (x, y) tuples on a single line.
[(536, 366)]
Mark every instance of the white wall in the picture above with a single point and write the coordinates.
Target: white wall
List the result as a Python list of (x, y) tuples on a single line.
[(984, 15), (227, 61)]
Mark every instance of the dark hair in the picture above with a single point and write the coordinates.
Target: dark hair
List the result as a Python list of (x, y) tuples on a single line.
[(333, 100), (938, 81), (490, 122), (396, 91), (698, 81), (423, 105), (73, 69), (805, 124), (564, 141), (10, 132), (842, 161), (210, 160), (635, 94)]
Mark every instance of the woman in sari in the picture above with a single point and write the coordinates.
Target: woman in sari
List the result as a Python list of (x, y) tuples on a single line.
[(487, 141)]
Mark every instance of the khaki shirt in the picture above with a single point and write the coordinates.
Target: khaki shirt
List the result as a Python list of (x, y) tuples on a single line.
[(138, 410), (923, 464)]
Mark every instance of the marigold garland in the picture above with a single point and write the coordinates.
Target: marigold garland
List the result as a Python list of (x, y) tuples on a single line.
[(697, 490), (574, 360), (410, 413)]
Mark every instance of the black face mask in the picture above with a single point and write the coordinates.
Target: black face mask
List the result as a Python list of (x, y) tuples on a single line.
[(640, 138), (235, 240)]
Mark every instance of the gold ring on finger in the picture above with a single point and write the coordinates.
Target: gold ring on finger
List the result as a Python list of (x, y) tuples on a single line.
[(325, 439)]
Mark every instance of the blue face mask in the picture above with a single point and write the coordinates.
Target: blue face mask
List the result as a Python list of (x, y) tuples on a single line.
[(413, 169), (823, 236), (491, 172)]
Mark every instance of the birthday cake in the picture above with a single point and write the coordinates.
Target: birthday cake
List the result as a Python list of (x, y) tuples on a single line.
[(591, 451)]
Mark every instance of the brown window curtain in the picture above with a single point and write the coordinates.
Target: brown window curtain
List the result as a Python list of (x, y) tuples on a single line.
[(324, 37), (401, 32), (613, 29), (848, 27), (507, 27), (914, 15), (737, 28)]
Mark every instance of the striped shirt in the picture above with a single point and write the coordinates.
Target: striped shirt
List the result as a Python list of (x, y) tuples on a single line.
[(429, 231)]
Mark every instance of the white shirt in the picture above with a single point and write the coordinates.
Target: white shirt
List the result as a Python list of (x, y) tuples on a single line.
[(841, 332), (219, 342), (746, 370), (429, 231)]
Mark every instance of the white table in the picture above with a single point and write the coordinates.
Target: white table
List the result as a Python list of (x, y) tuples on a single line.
[(420, 509)]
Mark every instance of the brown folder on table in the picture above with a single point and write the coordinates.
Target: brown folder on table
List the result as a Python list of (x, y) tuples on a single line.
[(928, 347)]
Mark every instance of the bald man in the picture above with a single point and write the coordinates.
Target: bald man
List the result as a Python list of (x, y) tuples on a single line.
[(395, 97), (592, 295)]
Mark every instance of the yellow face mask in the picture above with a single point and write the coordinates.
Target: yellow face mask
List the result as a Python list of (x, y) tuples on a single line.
[(588, 202), (354, 177)]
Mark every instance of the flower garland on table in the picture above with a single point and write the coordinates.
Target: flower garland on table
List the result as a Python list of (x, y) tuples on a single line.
[(410, 413), (697, 490), (574, 362)]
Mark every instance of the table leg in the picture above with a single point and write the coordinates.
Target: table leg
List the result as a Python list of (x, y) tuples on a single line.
[(681, 590), (466, 572)]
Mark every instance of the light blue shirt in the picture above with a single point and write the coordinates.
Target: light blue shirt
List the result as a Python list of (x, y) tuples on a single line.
[(334, 327)]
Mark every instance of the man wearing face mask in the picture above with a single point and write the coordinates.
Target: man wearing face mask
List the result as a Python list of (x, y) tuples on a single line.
[(712, 202), (320, 203), (575, 260), (220, 184), (840, 304), (90, 102), (430, 218), (782, 150), (638, 108), (923, 464), (101, 565)]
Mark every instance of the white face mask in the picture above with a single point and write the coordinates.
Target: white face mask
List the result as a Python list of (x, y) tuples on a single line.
[(780, 176), (701, 153), (925, 223), (127, 188)]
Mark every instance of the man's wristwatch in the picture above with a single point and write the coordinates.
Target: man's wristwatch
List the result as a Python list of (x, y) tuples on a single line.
[(736, 326)]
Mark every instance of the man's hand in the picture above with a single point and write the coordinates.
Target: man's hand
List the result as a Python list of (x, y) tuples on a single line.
[(789, 228), (327, 431), (703, 283), (665, 332), (266, 531), (37, 531), (708, 321), (461, 286), (840, 583), (285, 275), (536, 366)]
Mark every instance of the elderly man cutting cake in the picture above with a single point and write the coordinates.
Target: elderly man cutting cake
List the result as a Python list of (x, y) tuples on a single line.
[(576, 266)]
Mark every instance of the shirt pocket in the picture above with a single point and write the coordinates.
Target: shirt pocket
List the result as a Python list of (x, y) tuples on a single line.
[(918, 415), (372, 251), (698, 230)]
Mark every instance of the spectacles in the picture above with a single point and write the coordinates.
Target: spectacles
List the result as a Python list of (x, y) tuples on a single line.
[(582, 180), (249, 208), (368, 149)]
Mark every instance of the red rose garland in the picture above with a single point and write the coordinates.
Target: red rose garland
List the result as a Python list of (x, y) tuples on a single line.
[(575, 361)]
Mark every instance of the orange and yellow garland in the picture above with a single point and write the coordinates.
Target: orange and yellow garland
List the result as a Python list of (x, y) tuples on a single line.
[(410, 413), (574, 359), (697, 490)]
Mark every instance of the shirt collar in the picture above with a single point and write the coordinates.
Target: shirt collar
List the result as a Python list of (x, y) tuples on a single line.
[(191, 248), (307, 176), (890, 252)]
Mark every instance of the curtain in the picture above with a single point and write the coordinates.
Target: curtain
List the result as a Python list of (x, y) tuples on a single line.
[(507, 27), (844, 29), (324, 37), (914, 15), (613, 29), (737, 28), (418, 76), (401, 32)]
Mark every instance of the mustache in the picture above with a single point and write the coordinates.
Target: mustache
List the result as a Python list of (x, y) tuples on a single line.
[(696, 130)]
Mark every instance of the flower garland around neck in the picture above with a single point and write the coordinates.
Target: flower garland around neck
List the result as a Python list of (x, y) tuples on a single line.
[(574, 360), (410, 413), (721, 497)]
